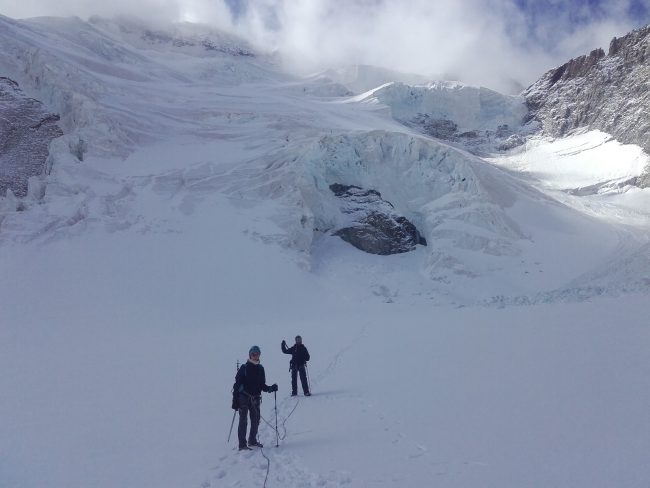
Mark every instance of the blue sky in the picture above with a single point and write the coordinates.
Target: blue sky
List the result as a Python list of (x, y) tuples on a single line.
[(579, 12), (570, 16), (578, 8)]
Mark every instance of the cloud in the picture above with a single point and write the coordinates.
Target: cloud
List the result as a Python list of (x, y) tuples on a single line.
[(502, 44)]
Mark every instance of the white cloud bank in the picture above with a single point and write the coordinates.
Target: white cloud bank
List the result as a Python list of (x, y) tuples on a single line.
[(487, 42)]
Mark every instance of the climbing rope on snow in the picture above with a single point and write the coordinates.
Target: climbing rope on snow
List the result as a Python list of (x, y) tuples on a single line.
[(284, 427), (268, 460), (268, 466)]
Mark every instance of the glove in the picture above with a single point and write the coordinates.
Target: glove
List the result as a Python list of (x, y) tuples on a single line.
[(235, 401), (284, 343), (273, 387)]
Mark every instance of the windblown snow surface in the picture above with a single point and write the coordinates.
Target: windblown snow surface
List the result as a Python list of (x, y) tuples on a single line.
[(188, 216)]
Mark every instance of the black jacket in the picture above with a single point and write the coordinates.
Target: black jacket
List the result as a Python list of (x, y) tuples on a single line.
[(299, 354), (250, 379)]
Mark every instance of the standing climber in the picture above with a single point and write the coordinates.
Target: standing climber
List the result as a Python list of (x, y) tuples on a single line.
[(299, 358), (250, 382)]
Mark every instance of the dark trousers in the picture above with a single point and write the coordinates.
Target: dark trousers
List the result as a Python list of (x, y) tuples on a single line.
[(303, 379), (248, 405)]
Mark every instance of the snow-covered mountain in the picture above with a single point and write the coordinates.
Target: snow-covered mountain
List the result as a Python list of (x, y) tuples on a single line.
[(605, 92), (120, 86), (473, 291)]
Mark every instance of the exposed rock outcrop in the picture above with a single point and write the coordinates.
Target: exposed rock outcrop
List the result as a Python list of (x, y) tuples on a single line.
[(375, 227), (606, 92), (26, 130)]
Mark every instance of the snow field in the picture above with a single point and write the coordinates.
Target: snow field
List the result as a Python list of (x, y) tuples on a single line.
[(581, 160), (403, 393)]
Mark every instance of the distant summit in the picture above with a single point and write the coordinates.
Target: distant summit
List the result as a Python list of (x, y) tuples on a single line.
[(609, 92)]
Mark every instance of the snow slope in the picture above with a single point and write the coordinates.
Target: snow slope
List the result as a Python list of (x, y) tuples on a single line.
[(198, 224)]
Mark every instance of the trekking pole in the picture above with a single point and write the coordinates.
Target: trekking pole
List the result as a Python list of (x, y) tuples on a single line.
[(234, 413), (277, 434), (308, 380), (231, 424)]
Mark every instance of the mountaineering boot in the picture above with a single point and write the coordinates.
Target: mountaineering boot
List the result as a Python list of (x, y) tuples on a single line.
[(307, 394), (254, 444), (244, 447), (293, 393)]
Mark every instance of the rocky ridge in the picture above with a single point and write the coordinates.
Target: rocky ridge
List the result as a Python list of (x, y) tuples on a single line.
[(609, 92)]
